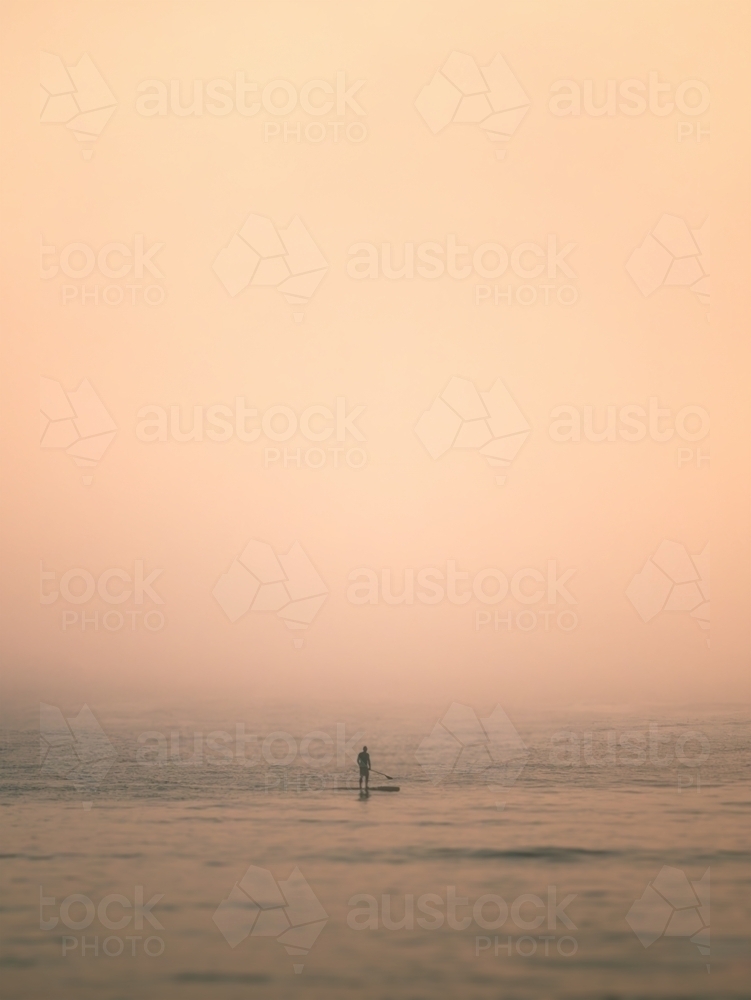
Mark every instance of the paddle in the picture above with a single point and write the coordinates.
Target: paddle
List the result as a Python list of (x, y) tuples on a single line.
[(382, 774)]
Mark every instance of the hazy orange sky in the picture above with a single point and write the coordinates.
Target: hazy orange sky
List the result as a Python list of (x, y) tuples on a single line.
[(142, 291)]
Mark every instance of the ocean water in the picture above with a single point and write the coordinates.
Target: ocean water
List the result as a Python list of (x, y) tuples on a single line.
[(587, 853)]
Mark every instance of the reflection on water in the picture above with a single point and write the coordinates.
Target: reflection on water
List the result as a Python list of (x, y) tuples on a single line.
[(611, 865)]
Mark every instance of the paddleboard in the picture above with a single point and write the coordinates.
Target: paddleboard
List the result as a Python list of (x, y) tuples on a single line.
[(373, 788)]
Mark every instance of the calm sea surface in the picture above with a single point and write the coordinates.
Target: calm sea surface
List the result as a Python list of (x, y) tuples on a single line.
[(272, 882)]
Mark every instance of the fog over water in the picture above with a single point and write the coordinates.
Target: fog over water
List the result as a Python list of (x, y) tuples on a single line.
[(376, 554)]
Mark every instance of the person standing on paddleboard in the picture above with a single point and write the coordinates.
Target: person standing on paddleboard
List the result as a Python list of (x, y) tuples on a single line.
[(363, 760)]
